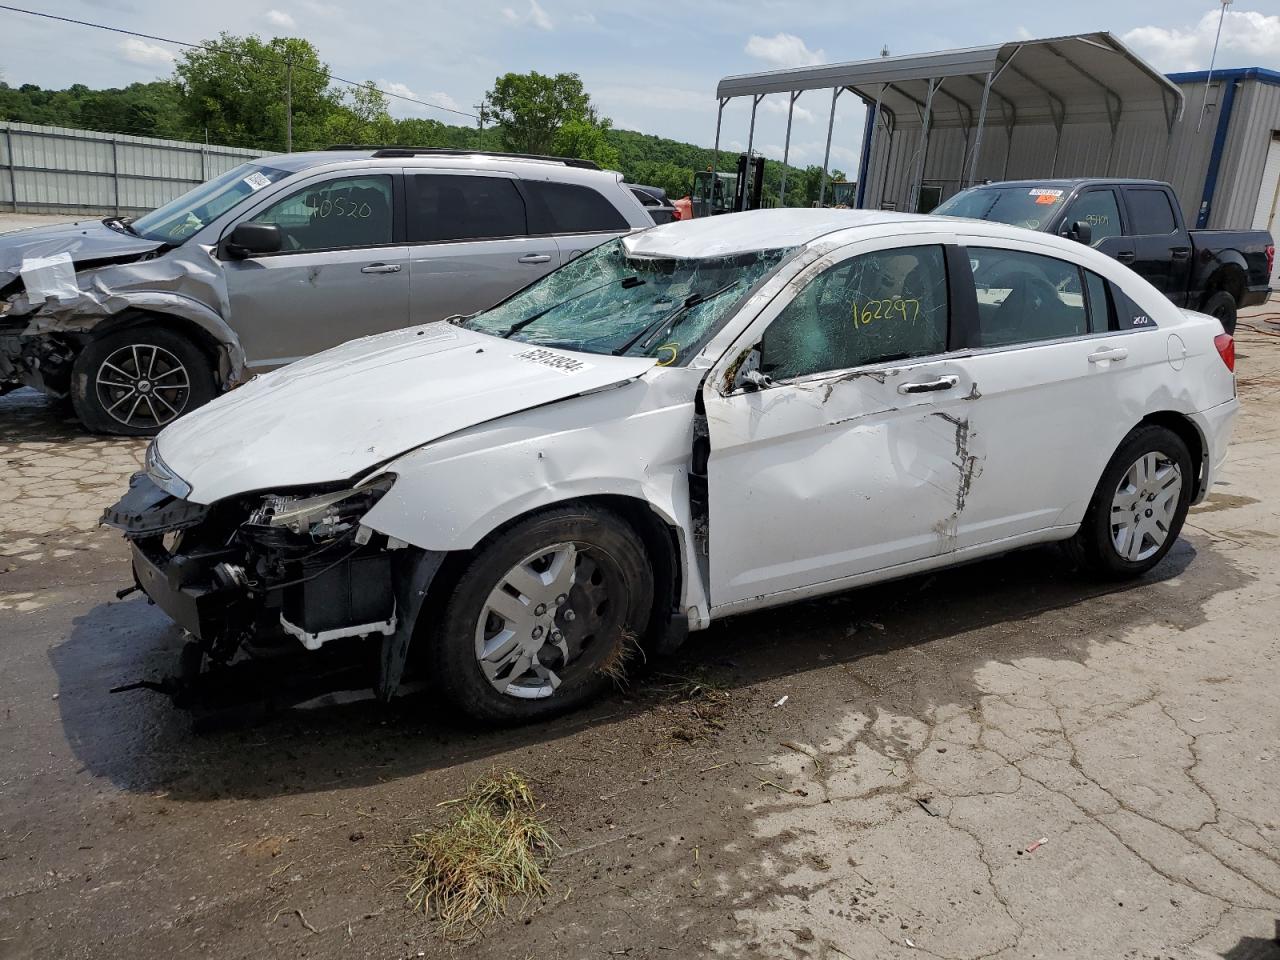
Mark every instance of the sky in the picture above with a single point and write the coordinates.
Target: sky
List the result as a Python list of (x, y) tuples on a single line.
[(650, 66)]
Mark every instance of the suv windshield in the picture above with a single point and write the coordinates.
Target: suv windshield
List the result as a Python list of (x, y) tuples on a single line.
[(1025, 206), (178, 219), (608, 302)]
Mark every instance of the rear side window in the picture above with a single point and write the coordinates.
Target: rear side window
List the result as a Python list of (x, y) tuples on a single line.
[(1025, 297), (1150, 212), (875, 308), (443, 207), (570, 208)]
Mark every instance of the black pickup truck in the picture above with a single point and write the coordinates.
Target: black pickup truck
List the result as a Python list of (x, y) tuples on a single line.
[(1139, 223)]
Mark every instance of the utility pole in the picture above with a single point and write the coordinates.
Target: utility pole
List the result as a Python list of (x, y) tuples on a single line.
[(479, 108), (1204, 101), (288, 102)]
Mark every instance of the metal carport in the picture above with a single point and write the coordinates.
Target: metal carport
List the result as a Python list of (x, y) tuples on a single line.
[(1086, 78)]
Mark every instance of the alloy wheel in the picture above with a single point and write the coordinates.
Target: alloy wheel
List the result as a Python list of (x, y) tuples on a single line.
[(143, 386), (1144, 506)]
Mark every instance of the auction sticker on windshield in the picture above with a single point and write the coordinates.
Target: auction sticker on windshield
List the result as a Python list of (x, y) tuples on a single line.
[(556, 361), (257, 181), (1045, 195)]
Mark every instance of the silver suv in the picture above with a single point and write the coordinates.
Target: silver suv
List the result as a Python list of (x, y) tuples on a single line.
[(139, 320)]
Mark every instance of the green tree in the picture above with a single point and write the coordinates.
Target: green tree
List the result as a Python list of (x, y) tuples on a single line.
[(235, 88), (587, 141), (531, 108)]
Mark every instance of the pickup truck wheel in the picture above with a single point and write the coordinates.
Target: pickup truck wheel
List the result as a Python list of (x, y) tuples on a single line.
[(1222, 304), (544, 617), (1138, 508), (135, 381)]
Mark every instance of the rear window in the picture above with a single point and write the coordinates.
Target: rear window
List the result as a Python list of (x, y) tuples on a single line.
[(446, 207), (570, 208), (1150, 212)]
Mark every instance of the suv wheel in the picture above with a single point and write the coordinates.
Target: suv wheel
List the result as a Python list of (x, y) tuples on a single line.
[(1139, 506), (135, 381), (542, 618), (1222, 304)]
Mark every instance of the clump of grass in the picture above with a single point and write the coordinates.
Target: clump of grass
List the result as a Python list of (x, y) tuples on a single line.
[(494, 847), (617, 663)]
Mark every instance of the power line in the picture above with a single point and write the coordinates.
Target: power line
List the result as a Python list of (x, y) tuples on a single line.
[(215, 47)]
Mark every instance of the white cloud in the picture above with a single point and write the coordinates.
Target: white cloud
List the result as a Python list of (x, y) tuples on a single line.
[(535, 17), (783, 50), (404, 107), (278, 18), (656, 98), (136, 50), (779, 106), (586, 19), (1248, 38)]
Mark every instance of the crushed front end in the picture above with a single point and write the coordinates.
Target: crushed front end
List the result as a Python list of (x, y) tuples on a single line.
[(273, 576)]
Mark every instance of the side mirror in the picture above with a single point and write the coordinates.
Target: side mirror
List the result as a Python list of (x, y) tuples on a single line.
[(1081, 232), (248, 239), (748, 376)]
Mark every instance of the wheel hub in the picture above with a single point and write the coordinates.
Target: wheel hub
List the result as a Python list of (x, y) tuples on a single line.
[(142, 385)]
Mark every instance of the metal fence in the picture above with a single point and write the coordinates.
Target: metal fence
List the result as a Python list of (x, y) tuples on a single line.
[(57, 170)]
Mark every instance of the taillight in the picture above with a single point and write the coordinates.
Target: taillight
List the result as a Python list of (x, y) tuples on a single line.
[(1226, 350), (1271, 259)]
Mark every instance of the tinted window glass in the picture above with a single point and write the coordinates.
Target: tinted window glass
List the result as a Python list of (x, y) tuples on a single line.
[(1101, 311), (1150, 211), (879, 307), (348, 212), (463, 208), (1130, 316), (1024, 297), (569, 208), (1097, 208)]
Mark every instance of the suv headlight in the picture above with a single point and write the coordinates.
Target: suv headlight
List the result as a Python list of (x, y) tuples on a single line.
[(162, 476), (324, 516)]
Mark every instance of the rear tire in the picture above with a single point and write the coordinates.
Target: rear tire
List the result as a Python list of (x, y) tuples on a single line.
[(134, 382), (544, 617), (1138, 508), (1222, 304)]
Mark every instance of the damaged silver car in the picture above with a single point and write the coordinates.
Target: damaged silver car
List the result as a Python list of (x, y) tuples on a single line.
[(138, 321), (703, 419)]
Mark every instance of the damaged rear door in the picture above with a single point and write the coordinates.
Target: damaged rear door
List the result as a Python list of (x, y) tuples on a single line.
[(849, 451)]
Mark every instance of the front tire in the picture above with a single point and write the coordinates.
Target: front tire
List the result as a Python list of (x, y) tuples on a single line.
[(544, 616), (135, 381), (1222, 305), (1139, 506)]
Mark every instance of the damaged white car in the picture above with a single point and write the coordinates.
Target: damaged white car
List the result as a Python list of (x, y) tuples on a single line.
[(703, 419)]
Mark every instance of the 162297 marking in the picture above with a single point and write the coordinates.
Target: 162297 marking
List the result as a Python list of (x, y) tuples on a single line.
[(870, 310)]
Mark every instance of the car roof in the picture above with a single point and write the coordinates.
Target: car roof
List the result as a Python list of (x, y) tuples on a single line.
[(307, 160), (1070, 182), (755, 230)]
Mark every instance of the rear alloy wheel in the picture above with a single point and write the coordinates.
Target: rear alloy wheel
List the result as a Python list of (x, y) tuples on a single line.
[(137, 380), (545, 617), (1139, 506)]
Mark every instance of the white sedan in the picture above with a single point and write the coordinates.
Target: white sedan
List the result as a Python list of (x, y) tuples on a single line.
[(703, 419)]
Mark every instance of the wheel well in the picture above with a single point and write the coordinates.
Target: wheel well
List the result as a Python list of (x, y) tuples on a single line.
[(1228, 277), (198, 336), (1190, 435)]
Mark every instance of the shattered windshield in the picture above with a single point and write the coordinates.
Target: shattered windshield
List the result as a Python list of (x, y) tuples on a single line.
[(178, 219), (1030, 207), (608, 302)]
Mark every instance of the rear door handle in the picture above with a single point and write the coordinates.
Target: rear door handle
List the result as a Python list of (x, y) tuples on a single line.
[(381, 268), (1126, 256), (929, 386), (1180, 253), (536, 258), (1108, 353)]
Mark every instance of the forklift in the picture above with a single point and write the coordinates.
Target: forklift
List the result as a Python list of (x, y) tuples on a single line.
[(723, 192)]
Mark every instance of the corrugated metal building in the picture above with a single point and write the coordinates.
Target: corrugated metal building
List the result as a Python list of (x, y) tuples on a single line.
[(1076, 106)]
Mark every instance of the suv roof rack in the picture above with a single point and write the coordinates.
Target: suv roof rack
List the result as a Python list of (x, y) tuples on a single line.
[(393, 151)]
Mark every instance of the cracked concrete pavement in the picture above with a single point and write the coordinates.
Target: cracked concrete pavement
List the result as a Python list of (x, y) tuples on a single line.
[(934, 731)]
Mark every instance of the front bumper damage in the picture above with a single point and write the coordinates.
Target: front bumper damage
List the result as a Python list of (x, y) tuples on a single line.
[(284, 595)]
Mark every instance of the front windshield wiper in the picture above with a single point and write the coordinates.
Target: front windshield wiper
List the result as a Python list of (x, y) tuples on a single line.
[(672, 319), (121, 223), (627, 284)]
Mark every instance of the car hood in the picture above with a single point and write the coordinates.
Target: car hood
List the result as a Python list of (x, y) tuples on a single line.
[(85, 240), (340, 413)]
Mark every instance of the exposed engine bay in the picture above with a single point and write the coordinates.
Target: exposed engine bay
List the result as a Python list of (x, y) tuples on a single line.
[(264, 575)]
